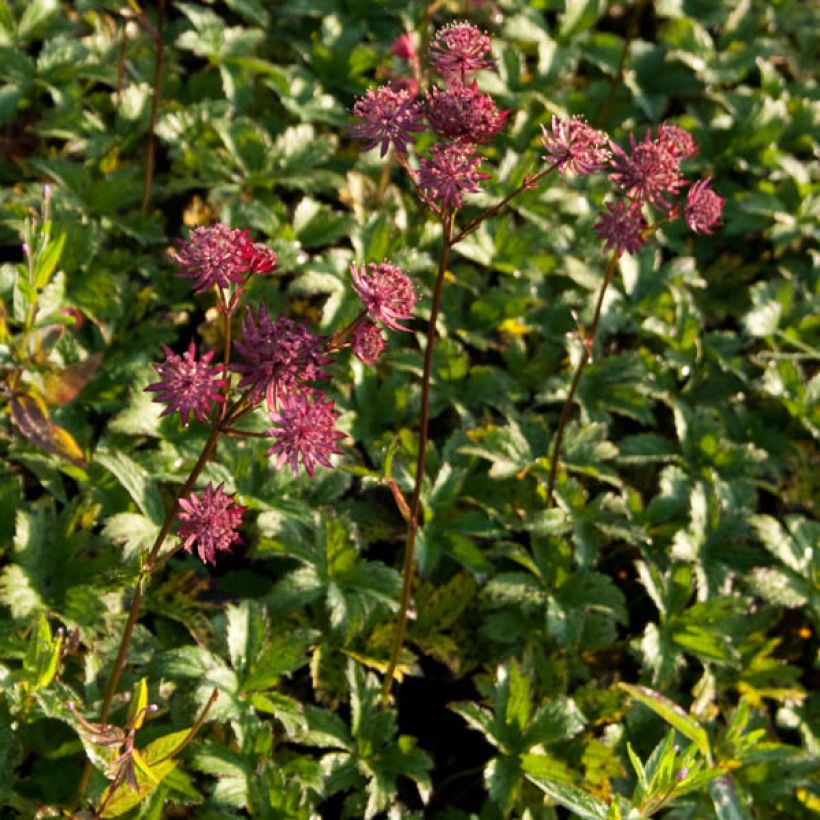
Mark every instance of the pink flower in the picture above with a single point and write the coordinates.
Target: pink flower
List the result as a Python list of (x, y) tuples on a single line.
[(188, 385), (216, 255), (678, 141), (404, 47), (388, 117), (210, 521), (304, 428), (573, 145), (260, 258), (451, 172), (458, 51), (464, 114), (622, 226), (367, 342), (386, 292), (648, 172), (279, 356), (703, 207)]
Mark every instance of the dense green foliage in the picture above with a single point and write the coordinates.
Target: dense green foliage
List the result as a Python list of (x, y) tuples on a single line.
[(646, 645)]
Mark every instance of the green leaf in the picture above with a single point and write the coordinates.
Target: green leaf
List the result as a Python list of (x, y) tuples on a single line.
[(583, 804), (135, 480), (671, 713)]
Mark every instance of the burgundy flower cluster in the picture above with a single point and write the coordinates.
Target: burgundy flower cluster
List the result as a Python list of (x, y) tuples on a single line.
[(648, 175), (459, 115), (280, 360)]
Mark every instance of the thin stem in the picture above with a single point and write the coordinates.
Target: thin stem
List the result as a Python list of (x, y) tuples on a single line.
[(529, 182), (586, 353), (155, 100), (194, 730), (421, 459), (150, 565)]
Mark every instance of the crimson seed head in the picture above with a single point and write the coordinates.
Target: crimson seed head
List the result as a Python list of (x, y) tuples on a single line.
[(210, 521), (451, 172), (386, 292), (648, 172), (575, 146), (458, 51), (187, 384), (388, 117), (464, 114), (304, 428), (622, 226), (278, 356), (216, 255), (703, 207), (678, 141), (367, 342)]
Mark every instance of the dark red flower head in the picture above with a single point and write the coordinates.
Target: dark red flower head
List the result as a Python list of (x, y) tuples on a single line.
[(388, 117), (463, 114), (386, 292), (703, 207), (367, 342), (449, 173), (209, 520), (458, 51), (304, 429), (622, 226), (648, 173), (188, 385), (574, 145)]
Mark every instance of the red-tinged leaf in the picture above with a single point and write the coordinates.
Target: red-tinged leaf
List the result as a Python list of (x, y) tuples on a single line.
[(29, 414), (60, 387)]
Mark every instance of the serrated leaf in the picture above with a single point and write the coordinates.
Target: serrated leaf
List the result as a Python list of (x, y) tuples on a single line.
[(583, 804), (671, 713), (135, 480)]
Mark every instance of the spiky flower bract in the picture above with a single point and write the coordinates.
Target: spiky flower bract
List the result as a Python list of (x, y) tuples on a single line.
[(278, 356), (188, 385), (304, 429), (622, 226), (214, 255), (209, 521), (648, 173), (678, 141), (388, 117), (464, 114), (386, 292), (458, 51), (449, 173), (703, 207), (367, 342), (574, 145)]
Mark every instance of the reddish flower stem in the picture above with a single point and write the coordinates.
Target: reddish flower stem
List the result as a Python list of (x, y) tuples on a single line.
[(155, 100), (408, 569), (586, 354)]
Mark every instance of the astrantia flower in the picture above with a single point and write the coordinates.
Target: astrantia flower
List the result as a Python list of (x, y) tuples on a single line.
[(304, 428), (278, 356), (648, 172), (678, 141), (388, 117), (622, 226), (367, 342), (703, 207), (215, 255), (574, 145), (464, 114), (451, 172), (209, 520), (387, 293), (260, 258), (187, 384), (404, 47), (458, 51)]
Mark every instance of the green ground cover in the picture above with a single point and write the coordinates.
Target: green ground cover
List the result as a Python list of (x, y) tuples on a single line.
[(642, 643)]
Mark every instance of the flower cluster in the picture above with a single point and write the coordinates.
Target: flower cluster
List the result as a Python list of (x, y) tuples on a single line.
[(217, 256), (458, 114)]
